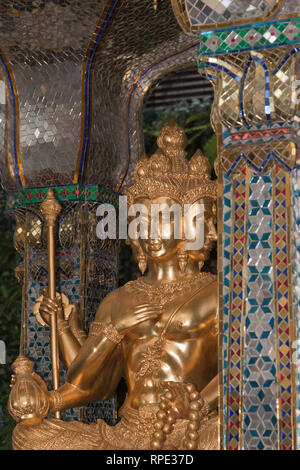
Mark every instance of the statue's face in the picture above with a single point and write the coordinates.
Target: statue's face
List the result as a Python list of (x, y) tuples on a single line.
[(164, 242), (152, 243), (210, 233)]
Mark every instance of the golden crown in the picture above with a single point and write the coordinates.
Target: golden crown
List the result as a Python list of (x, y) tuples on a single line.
[(168, 173)]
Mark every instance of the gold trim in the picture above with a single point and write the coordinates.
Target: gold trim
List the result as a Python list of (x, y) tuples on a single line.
[(183, 22), (208, 27), (24, 313), (290, 16)]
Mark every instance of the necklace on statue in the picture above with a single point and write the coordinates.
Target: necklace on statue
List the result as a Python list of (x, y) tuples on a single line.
[(166, 292)]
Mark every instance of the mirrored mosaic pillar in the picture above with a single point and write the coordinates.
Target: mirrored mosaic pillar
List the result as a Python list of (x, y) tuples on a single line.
[(256, 108)]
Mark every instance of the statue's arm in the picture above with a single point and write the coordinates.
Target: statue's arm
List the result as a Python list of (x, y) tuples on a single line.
[(93, 375), (70, 334), (95, 371), (69, 345)]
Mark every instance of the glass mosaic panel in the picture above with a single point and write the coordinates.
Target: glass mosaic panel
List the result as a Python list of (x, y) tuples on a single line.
[(258, 318), (247, 38), (260, 383), (255, 88), (54, 142), (224, 11), (196, 15)]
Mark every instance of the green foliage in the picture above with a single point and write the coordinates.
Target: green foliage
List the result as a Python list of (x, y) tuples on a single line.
[(193, 117)]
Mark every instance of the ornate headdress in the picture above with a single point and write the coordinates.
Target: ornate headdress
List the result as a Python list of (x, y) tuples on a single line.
[(168, 173)]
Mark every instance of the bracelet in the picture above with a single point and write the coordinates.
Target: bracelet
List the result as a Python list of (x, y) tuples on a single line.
[(79, 334), (62, 326), (107, 329), (58, 402)]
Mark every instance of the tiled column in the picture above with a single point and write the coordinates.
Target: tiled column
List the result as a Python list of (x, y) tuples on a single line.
[(255, 106)]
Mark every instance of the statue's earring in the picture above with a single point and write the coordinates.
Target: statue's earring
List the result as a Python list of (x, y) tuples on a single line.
[(200, 265), (182, 258), (142, 261), (214, 213)]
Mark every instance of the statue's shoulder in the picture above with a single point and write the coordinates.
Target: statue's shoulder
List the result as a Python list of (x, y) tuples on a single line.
[(121, 296), (209, 290), (113, 305), (206, 299)]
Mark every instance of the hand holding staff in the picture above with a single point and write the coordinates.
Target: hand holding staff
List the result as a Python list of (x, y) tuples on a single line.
[(50, 208)]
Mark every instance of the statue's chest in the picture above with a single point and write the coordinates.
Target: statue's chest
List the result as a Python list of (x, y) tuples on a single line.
[(175, 321)]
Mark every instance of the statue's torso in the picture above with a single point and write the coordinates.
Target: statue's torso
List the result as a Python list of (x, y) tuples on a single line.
[(188, 351)]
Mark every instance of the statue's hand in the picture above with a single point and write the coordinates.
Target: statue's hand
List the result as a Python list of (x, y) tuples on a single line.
[(139, 314), (176, 397), (49, 307)]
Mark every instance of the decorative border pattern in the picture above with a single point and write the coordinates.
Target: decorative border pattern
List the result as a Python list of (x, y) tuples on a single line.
[(235, 353), (260, 169), (76, 192), (226, 262), (261, 133), (258, 158), (283, 308), (250, 38), (296, 286)]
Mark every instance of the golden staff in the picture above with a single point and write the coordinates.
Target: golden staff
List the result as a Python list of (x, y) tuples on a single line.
[(50, 208)]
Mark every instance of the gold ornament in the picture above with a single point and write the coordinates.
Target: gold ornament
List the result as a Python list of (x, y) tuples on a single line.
[(142, 261), (57, 400), (28, 402), (165, 419), (168, 173), (107, 329), (200, 265), (166, 292), (182, 258)]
